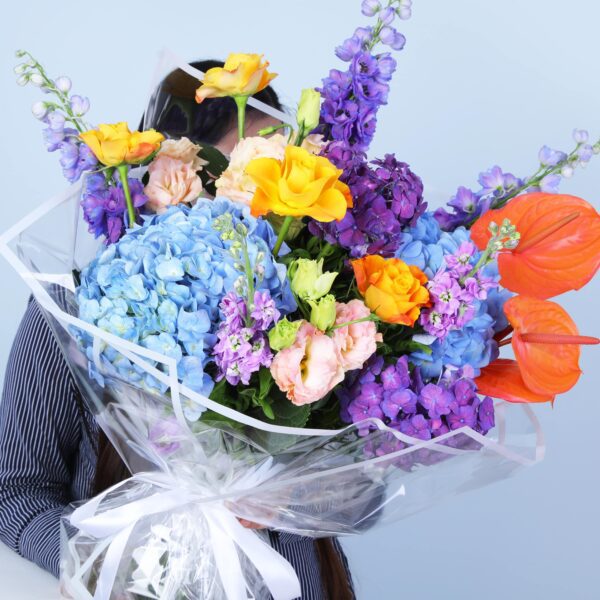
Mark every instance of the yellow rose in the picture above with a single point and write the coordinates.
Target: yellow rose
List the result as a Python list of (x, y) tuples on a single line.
[(302, 184), (115, 145), (242, 75), (393, 290)]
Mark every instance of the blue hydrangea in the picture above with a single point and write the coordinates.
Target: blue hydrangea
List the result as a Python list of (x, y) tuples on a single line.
[(472, 345), (425, 244), (160, 287)]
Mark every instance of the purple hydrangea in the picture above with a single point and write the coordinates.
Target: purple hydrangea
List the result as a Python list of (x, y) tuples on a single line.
[(104, 206), (388, 196), (242, 347), (402, 401)]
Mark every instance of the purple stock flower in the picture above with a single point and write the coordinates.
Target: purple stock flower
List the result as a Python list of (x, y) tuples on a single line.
[(242, 347), (370, 7)]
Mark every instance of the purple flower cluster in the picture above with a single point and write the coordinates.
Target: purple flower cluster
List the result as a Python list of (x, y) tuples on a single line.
[(75, 156), (498, 187), (454, 292), (104, 206), (387, 197), (468, 205), (242, 347), (405, 403)]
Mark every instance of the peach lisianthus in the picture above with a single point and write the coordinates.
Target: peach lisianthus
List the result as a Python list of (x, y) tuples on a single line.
[(171, 182), (358, 341), (184, 150), (308, 369)]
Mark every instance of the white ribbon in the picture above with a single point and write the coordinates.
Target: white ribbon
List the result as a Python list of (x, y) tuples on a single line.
[(226, 536)]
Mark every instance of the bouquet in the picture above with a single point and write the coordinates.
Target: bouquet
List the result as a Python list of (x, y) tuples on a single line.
[(287, 335)]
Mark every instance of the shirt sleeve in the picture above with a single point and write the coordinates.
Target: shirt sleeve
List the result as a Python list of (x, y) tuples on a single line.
[(39, 438)]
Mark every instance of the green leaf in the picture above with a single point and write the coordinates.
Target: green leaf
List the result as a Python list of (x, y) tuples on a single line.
[(217, 163), (289, 414)]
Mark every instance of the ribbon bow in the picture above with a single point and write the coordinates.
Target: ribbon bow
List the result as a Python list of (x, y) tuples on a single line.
[(226, 536)]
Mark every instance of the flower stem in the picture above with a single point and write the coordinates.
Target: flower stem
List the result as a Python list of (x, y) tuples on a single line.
[(122, 169), (241, 102), (282, 233), (371, 317)]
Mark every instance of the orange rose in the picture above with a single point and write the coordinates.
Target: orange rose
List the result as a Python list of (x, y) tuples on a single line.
[(393, 290), (300, 185)]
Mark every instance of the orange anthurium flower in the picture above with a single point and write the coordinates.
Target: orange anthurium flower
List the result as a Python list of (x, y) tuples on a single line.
[(502, 379), (559, 249), (546, 344)]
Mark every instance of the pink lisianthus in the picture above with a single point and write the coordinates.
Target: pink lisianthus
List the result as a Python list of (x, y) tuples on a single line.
[(309, 368), (356, 342), (171, 182)]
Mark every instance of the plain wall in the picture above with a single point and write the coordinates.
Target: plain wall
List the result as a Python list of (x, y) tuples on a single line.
[(479, 83)]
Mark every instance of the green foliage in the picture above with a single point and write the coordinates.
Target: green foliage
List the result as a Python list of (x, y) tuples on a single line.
[(217, 163)]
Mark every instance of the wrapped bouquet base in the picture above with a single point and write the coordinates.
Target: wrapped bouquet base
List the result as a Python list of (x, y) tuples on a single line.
[(172, 530)]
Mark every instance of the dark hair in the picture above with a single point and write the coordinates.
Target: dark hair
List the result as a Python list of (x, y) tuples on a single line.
[(173, 109), (177, 114)]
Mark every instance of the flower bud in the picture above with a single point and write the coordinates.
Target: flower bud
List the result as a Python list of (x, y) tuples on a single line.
[(581, 136), (309, 109), (387, 15), (36, 79), (283, 335), (370, 7), (308, 280), (20, 53), (39, 110), (322, 314), (567, 171), (79, 105), (63, 84), (20, 69), (23, 79)]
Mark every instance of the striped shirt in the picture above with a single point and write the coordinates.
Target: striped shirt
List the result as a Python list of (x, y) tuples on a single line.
[(48, 452)]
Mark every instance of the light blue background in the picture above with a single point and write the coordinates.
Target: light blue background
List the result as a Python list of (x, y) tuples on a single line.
[(478, 83)]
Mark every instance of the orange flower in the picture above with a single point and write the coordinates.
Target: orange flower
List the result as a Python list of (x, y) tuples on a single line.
[(393, 290), (300, 185), (502, 379), (115, 145), (559, 249), (241, 75), (546, 344)]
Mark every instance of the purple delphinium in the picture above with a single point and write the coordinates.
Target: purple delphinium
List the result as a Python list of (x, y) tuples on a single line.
[(388, 196), (498, 187), (242, 347), (403, 402), (104, 206)]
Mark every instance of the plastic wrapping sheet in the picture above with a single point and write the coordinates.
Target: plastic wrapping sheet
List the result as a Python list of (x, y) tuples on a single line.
[(171, 532)]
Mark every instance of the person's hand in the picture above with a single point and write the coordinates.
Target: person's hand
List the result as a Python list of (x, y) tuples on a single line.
[(250, 524)]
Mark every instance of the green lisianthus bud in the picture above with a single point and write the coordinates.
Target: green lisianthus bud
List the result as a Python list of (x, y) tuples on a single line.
[(308, 280), (322, 314), (283, 335), (309, 109)]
